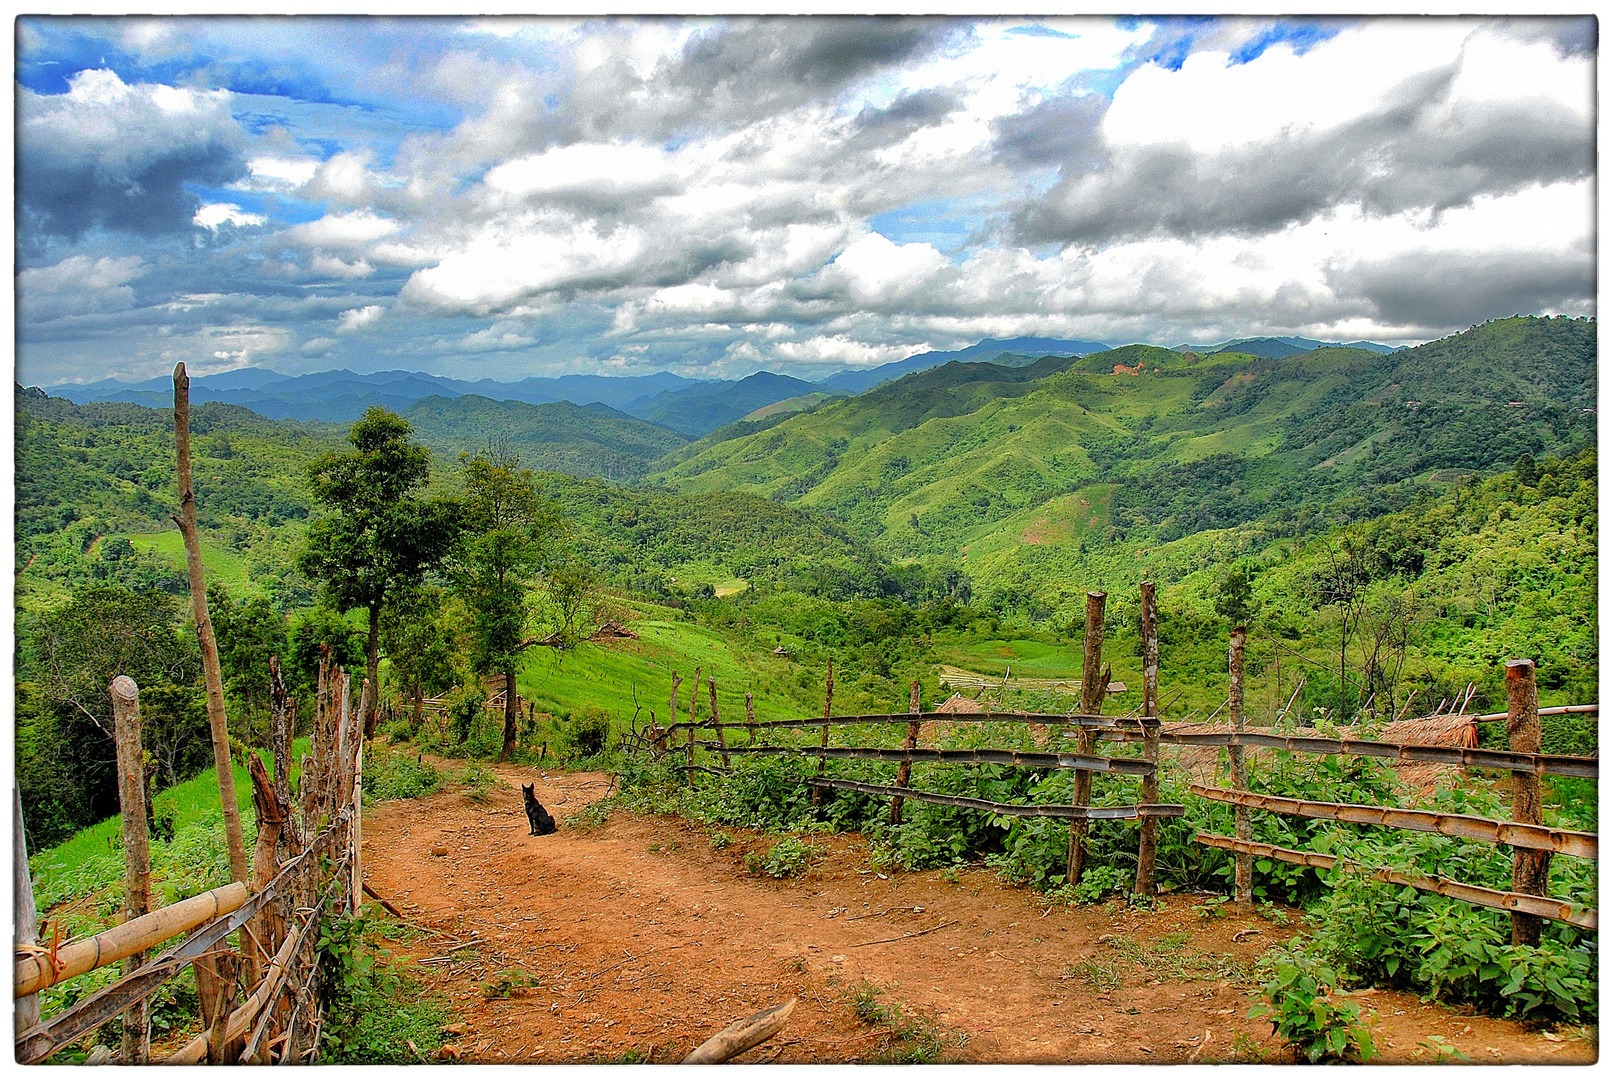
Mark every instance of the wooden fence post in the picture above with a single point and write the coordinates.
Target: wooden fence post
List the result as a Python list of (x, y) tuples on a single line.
[(722, 740), (358, 828), (234, 838), (828, 711), (905, 769), (672, 714), (1243, 862), (25, 928), (750, 717), (1093, 689), (688, 749), (1148, 827), (136, 849), (1531, 870)]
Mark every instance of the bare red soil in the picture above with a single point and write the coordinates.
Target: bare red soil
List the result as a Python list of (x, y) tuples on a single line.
[(637, 940)]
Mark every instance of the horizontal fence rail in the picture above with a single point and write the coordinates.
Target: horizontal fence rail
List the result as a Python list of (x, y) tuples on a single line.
[(45, 1038), (1074, 813), (1409, 753), (41, 970), (1544, 906), (1081, 719), (1554, 710), (1023, 758), (1517, 834)]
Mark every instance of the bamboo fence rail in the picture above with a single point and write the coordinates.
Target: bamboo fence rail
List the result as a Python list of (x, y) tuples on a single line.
[(1543, 906), (1045, 810), (1517, 834)]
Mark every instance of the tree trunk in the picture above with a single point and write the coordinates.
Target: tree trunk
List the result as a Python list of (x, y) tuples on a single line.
[(372, 673), (510, 714), (234, 839), (1243, 862), (1531, 870), (1094, 686), (1148, 827)]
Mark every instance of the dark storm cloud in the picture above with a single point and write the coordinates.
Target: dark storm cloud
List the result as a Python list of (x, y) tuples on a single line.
[(1059, 131), (1570, 36), (1412, 155), (114, 156), (906, 114), (1456, 289)]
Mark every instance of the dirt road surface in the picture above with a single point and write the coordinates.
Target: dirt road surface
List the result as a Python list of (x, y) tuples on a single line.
[(637, 939)]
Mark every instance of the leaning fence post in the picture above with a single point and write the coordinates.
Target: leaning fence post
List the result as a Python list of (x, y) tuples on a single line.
[(671, 716), (1148, 830), (1531, 870), (1243, 862), (25, 928), (828, 711), (136, 848), (905, 769), (750, 717), (1093, 688)]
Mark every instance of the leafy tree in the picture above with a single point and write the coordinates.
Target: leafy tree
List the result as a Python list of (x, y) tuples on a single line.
[(418, 634), (320, 626), (248, 634), (1236, 601), (508, 530), (380, 535)]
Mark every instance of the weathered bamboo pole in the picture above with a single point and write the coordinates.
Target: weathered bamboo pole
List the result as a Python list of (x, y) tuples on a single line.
[(1093, 689), (280, 734), (1542, 906), (711, 684), (741, 1035), (828, 711), (234, 838), (267, 928), (25, 926), (1148, 832), (1042, 810), (235, 1027), (1243, 863), (1531, 869), (33, 973), (125, 696), (1581, 845), (1030, 759), (905, 769)]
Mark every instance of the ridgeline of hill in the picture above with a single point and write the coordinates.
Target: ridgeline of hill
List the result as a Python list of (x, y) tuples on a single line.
[(1146, 445)]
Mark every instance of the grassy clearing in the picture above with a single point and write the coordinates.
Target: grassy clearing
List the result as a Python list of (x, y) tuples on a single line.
[(220, 563)]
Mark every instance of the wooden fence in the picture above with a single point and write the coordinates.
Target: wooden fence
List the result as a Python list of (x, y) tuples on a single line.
[(306, 866), (1532, 842)]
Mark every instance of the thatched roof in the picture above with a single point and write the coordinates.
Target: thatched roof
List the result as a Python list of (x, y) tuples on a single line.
[(1452, 729), (610, 630)]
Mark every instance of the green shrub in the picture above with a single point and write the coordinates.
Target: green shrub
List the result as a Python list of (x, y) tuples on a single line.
[(585, 734), (374, 1009), (788, 856), (389, 775), (1306, 1013)]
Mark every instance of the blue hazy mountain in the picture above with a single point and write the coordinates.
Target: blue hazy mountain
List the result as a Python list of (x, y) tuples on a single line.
[(703, 408), (1275, 348), (1024, 350)]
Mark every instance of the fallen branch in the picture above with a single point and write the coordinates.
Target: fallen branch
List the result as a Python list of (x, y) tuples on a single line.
[(741, 1035), (903, 937)]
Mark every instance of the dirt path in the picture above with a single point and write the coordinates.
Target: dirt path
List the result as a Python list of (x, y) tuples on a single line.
[(640, 940)]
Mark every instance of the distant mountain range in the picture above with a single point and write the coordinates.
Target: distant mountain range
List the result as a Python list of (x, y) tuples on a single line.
[(1275, 348), (690, 407)]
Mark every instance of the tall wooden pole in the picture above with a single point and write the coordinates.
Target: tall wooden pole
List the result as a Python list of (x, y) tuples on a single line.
[(1531, 870), (234, 839), (136, 848), (1148, 827), (722, 741), (828, 711), (688, 749), (905, 770), (25, 928), (1243, 862), (750, 717), (1093, 688)]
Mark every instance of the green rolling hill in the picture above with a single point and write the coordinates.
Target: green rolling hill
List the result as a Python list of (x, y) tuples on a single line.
[(1144, 445)]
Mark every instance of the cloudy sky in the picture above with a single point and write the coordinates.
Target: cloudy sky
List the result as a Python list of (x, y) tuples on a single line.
[(714, 197)]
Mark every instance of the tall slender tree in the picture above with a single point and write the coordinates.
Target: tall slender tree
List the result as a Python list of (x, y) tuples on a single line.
[(508, 534), (380, 534)]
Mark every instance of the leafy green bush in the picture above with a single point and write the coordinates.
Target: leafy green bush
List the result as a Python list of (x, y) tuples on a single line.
[(1305, 1011), (374, 1010), (788, 856), (585, 734), (389, 775)]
